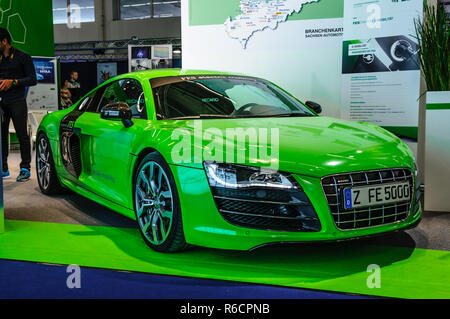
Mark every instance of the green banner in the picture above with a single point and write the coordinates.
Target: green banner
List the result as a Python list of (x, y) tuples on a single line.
[(30, 24), (438, 106)]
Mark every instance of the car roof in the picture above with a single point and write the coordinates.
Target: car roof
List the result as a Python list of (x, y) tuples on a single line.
[(152, 74)]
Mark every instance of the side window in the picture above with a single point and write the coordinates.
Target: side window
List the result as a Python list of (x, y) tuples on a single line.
[(159, 97), (86, 102), (93, 104), (129, 91), (135, 97)]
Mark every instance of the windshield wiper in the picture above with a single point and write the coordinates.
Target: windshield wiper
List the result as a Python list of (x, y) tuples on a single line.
[(276, 115), (295, 114), (201, 116)]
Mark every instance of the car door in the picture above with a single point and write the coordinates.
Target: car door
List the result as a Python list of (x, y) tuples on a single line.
[(105, 144), (70, 140)]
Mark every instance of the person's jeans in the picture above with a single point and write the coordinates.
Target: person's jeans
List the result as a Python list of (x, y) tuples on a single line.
[(17, 112)]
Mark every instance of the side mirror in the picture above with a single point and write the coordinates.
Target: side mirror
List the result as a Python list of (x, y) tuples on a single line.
[(314, 106), (117, 111)]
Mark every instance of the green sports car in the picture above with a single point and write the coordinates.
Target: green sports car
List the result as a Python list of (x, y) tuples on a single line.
[(226, 161)]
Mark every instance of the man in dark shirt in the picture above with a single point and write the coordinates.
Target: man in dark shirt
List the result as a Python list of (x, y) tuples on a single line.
[(16, 73)]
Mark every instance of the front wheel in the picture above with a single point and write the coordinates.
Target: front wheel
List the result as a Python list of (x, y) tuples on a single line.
[(45, 167), (157, 205)]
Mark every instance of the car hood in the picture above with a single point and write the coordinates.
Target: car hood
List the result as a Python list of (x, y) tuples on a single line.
[(314, 146)]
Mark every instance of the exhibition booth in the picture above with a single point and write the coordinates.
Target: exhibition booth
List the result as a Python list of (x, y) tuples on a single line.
[(364, 93)]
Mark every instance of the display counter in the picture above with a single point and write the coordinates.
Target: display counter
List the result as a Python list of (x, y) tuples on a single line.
[(437, 152)]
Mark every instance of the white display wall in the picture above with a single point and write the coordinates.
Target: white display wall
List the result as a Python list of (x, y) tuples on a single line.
[(302, 56), (298, 44)]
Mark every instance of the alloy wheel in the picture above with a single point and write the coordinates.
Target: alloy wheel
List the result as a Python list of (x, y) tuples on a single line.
[(43, 163), (154, 203)]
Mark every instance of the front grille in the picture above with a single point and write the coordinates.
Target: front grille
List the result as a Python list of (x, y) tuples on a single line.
[(267, 209), (333, 187)]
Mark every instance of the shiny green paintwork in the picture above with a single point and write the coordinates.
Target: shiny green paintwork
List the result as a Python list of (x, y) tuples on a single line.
[(310, 148)]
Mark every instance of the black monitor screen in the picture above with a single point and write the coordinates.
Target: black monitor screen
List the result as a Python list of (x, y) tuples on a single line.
[(141, 53)]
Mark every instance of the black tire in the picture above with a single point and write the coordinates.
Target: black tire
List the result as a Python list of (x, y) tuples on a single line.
[(53, 186), (175, 240)]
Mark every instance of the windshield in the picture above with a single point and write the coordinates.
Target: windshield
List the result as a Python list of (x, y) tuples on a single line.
[(216, 96)]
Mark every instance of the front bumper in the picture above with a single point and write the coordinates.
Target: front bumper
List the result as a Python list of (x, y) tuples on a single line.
[(204, 226)]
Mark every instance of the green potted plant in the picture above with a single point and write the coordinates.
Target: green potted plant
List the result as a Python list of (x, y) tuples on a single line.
[(433, 35)]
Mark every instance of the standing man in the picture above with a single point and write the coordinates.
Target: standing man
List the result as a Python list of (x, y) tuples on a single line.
[(74, 87), (16, 73)]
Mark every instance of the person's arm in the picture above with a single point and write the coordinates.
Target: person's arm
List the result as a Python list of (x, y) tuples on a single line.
[(30, 73)]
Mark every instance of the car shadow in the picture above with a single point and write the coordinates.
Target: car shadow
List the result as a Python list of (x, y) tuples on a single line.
[(102, 215)]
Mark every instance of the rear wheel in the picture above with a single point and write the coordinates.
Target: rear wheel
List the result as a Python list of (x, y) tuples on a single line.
[(157, 205), (45, 167)]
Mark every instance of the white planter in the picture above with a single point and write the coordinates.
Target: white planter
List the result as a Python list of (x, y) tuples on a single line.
[(437, 152)]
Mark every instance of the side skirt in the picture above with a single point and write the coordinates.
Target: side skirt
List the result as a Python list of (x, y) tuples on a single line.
[(98, 199)]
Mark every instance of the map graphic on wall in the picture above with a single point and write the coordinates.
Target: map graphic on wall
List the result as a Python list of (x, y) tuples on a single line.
[(258, 15), (297, 44)]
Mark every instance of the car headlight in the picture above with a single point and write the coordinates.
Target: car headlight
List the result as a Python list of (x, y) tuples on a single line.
[(239, 176), (260, 198)]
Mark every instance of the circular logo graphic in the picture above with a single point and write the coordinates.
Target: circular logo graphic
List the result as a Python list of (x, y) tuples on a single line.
[(401, 50), (368, 58)]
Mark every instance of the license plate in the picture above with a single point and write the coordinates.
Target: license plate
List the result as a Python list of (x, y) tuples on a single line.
[(357, 197)]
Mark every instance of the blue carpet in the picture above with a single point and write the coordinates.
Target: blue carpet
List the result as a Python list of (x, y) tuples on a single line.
[(31, 280)]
